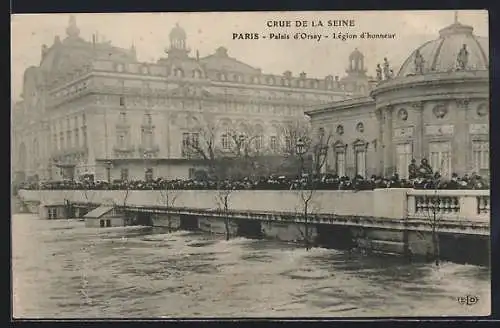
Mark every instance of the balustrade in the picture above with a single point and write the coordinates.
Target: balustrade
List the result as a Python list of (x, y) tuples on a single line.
[(473, 205)]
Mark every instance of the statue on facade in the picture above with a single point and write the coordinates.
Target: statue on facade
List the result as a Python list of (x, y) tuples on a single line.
[(419, 63), (463, 58), (412, 169), (379, 72), (387, 69)]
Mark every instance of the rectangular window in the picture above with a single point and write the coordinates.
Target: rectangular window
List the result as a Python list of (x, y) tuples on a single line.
[(185, 144), (124, 174), (481, 155), (195, 140), (122, 101), (403, 158), (149, 174), (61, 138), (77, 138), (225, 141), (84, 136), (340, 163), (274, 143), (440, 158), (361, 162), (121, 140), (258, 143), (68, 137), (288, 143)]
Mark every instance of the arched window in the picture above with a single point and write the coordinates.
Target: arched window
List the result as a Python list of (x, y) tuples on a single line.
[(360, 127), (178, 72), (270, 80), (197, 74)]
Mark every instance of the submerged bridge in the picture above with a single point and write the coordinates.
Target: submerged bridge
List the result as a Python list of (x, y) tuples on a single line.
[(394, 220)]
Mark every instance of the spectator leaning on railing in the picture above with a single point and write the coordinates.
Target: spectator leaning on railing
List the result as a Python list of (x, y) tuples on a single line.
[(425, 179)]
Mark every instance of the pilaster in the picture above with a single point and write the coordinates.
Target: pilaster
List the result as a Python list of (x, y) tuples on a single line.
[(462, 148), (418, 143), (388, 142)]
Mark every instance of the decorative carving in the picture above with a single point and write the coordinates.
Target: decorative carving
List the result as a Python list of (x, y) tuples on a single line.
[(388, 73), (439, 130), (403, 114), (463, 58), (403, 132), (482, 110), (419, 62), (379, 72), (440, 110), (340, 129), (478, 129), (463, 103)]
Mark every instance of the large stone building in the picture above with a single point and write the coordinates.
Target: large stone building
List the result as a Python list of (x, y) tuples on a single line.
[(92, 108), (436, 107)]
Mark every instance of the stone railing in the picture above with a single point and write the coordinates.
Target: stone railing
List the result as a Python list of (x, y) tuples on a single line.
[(455, 205), (463, 205)]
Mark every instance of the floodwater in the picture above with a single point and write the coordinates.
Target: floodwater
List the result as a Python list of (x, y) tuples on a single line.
[(63, 270)]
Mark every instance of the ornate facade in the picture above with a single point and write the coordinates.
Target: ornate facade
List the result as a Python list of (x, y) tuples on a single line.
[(436, 107), (93, 108)]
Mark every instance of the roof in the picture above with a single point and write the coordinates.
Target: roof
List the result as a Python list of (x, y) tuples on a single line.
[(440, 55), (342, 104), (221, 61), (99, 212)]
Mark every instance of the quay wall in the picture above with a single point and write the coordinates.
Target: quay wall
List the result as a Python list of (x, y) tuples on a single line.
[(465, 214), (470, 205)]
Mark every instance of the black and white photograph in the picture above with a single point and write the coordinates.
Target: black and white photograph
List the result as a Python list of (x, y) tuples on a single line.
[(329, 164)]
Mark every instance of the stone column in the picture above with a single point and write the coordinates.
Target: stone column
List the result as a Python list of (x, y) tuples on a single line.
[(461, 150), (418, 137), (379, 144), (388, 142)]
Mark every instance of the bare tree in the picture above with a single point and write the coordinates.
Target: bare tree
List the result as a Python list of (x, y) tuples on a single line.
[(315, 145), (434, 213), (229, 158), (168, 199)]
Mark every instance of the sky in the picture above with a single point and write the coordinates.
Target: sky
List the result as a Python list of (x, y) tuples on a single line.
[(149, 32)]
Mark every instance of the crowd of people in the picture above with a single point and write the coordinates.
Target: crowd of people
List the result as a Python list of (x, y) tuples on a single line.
[(420, 177)]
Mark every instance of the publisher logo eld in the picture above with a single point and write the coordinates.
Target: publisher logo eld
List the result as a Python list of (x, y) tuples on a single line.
[(468, 300)]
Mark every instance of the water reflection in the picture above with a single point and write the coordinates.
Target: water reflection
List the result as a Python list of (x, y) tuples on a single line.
[(62, 269)]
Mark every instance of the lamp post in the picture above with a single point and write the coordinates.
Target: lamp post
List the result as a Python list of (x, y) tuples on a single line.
[(300, 150), (108, 170)]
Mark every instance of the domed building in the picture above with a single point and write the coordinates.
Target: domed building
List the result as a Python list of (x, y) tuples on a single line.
[(435, 107)]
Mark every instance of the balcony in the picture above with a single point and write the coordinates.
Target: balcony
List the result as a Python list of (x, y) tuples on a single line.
[(123, 149), (122, 125), (72, 152), (148, 149)]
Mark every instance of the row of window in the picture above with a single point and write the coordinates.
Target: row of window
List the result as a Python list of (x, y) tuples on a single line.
[(70, 139), (65, 124), (440, 158), (196, 73)]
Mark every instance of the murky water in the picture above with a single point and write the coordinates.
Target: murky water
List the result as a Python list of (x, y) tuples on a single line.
[(63, 270)]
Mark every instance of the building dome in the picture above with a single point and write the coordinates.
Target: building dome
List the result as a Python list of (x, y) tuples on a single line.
[(177, 33), (441, 55), (356, 54)]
